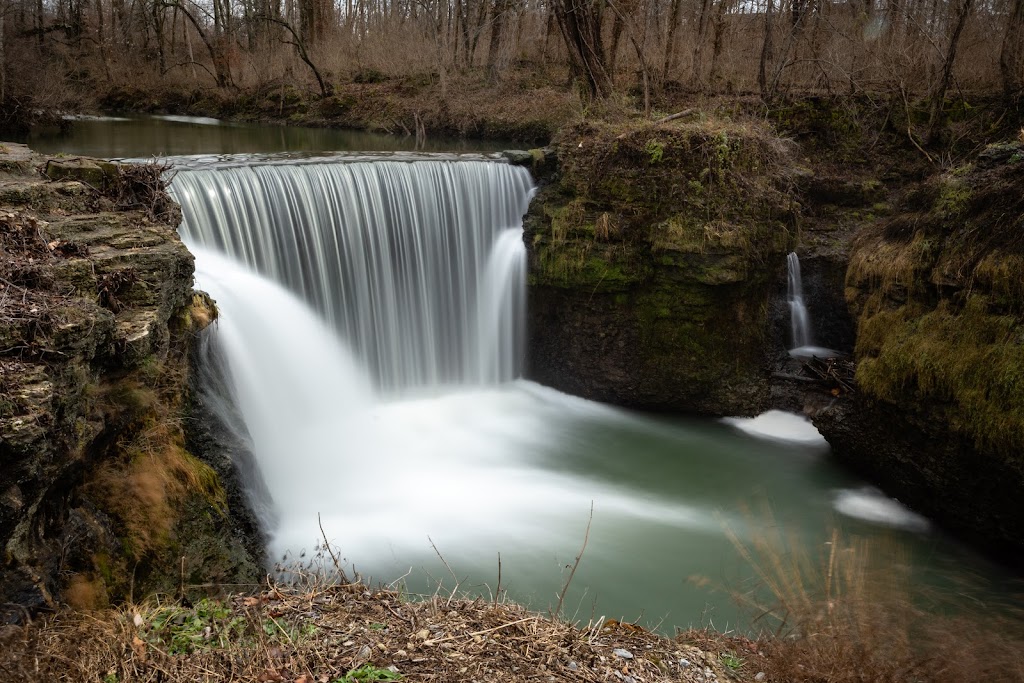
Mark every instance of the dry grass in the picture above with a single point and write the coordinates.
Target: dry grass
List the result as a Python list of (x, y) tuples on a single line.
[(341, 633), (851, 613), (966, 358), (857, 612), (892, 268)]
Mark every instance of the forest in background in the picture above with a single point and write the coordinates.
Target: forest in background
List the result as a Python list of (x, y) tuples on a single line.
[(56, 54)]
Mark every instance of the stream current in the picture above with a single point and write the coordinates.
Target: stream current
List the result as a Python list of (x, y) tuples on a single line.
[(371, 325)]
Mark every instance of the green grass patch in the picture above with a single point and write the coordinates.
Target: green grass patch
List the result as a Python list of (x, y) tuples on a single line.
[(208, 625), (368, 672)]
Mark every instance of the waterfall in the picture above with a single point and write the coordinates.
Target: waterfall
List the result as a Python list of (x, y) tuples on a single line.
[(371, 321), (419, 265), (800, 320)]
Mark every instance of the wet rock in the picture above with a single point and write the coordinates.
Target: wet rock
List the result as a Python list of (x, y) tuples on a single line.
[(518, 157)]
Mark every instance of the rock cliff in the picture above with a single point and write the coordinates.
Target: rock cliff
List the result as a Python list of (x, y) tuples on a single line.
[(937, 290), (654, 253), (99, 496), (657, 280)]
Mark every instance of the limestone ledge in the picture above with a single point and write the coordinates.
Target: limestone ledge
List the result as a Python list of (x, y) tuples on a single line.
[(96, 322)]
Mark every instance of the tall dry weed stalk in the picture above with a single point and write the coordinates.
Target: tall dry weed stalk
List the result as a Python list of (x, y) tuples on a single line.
[(856, 610)]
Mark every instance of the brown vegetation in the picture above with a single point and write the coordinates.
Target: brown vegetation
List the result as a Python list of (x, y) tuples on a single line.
[(853, 613), (55, 55), (343, 633), (856, 611)]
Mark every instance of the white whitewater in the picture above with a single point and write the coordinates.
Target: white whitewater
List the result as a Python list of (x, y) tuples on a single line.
[(800, 319), (868, 504), (419, 265), (399, 385), (780, 425), (368, 355)]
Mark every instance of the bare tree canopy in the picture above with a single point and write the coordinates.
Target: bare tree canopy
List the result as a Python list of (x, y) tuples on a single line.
[(920, 49)]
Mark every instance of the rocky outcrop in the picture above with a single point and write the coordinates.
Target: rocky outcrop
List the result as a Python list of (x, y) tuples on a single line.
[(937, 290), (657, 280), (99, 497), (654, 252)]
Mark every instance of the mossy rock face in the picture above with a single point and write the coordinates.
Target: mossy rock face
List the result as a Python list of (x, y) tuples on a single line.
[(653, 252), (938, 291), (99, 496), (96, 174)]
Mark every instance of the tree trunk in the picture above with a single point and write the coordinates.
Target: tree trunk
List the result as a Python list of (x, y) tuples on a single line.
[(766, 52), (716, 46), (549, 30), (613, 51), (3, 61), (497, 34), (1011, 57), (670, 39), (698, 46), (644, 69), (939, 96), (580, 24)]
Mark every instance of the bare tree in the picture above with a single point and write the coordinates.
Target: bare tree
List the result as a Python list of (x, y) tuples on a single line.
[(580, 24), (300, 47), (942, 85), (1011, 56), (3, 55), (670, 40), (766, 52)]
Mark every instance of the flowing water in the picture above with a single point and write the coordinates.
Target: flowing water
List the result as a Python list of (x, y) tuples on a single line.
[(801, 335), (800, 319), (371, 326)]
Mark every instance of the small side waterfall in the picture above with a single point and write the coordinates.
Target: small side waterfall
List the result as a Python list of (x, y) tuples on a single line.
[(419, 265), (800, 320)]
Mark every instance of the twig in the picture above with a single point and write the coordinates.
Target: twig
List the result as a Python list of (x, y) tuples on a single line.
[(480, 633), (330, 551), (665, 119), (572, 572), (497, 591), (448, 567)]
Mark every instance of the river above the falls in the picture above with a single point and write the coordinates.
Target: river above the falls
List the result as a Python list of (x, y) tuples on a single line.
[(467, 462)]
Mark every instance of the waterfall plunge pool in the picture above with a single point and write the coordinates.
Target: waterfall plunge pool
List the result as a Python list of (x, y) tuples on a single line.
[(455, 449), (371, 320)]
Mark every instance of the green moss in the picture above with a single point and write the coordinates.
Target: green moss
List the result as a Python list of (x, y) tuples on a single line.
[(832, 125), (655, 150), (586, 265), (968, 361), (682, 232), (954, 195)]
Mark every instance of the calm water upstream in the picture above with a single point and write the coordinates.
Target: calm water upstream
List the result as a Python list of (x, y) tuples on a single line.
[(371, 326), (146, 136)]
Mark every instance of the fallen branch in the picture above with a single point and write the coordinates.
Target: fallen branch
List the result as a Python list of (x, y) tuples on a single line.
[(677, 115)]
